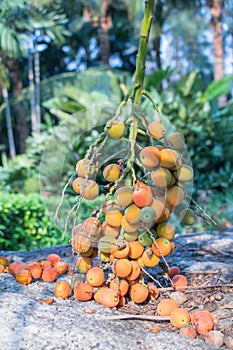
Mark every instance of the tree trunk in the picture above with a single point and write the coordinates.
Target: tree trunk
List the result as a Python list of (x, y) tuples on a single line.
[(9, 124), (216, 11), (37, 86), (104, 44), (104, 25), (32, 93), (157, 48), (21, 127)]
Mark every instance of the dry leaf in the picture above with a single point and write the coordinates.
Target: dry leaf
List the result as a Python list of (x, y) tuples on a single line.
[(47, 301), (89, 312), (154, 330)]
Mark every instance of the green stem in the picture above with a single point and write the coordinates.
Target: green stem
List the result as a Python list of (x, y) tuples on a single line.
[(146, 93), (139, 77), (127, 96), (143, 49)]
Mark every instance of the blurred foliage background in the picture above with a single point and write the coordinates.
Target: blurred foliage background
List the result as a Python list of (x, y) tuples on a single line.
[(61, 57)]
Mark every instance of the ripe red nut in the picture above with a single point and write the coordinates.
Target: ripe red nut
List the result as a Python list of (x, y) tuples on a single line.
[(139, 184), (142, 196), (202, 321), (62, 290), (20, 267), (23, 277), (179, 281), (35, 270), (53, 258), (13, 266), (83, 291), (49, 274), (45, 263), (173, 270), (188, 331)]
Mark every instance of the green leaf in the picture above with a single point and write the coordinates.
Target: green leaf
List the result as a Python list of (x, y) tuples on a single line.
[(9, 42), (10, 4), (217, 88), (63, 104), (155, 78), (71, 92), (186, 83)]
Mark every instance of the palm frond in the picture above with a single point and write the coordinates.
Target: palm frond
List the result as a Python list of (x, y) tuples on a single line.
[(8, 41)]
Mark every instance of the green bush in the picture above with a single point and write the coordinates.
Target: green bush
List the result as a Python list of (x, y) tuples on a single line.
[(24, 224)]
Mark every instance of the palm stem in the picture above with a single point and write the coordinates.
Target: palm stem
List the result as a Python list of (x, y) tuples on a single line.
[(139, 76), (143, 49)]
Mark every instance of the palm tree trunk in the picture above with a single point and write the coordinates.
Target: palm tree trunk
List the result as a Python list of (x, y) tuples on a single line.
[(21, 127), (216, 11), (104, 45), (157, 48), (9, 124), (37, 86), (32, 94), (158, 11)]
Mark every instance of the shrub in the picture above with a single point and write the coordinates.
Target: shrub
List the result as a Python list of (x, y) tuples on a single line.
[(24, 224)]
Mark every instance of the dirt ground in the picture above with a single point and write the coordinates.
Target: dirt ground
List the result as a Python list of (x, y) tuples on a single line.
[(28, 323)]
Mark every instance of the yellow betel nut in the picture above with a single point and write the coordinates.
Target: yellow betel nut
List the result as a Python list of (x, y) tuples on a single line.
[(115, 129), (113, 217), (170, 158), (166, 230), (112, 172), (175, 195), (184, 173)]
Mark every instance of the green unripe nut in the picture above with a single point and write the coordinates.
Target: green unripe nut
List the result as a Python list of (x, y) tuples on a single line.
[(188, 217), (145, 239), (105, 243), (147, 215)]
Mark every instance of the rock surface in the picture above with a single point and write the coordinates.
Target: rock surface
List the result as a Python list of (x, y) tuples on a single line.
[(28, 324)]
